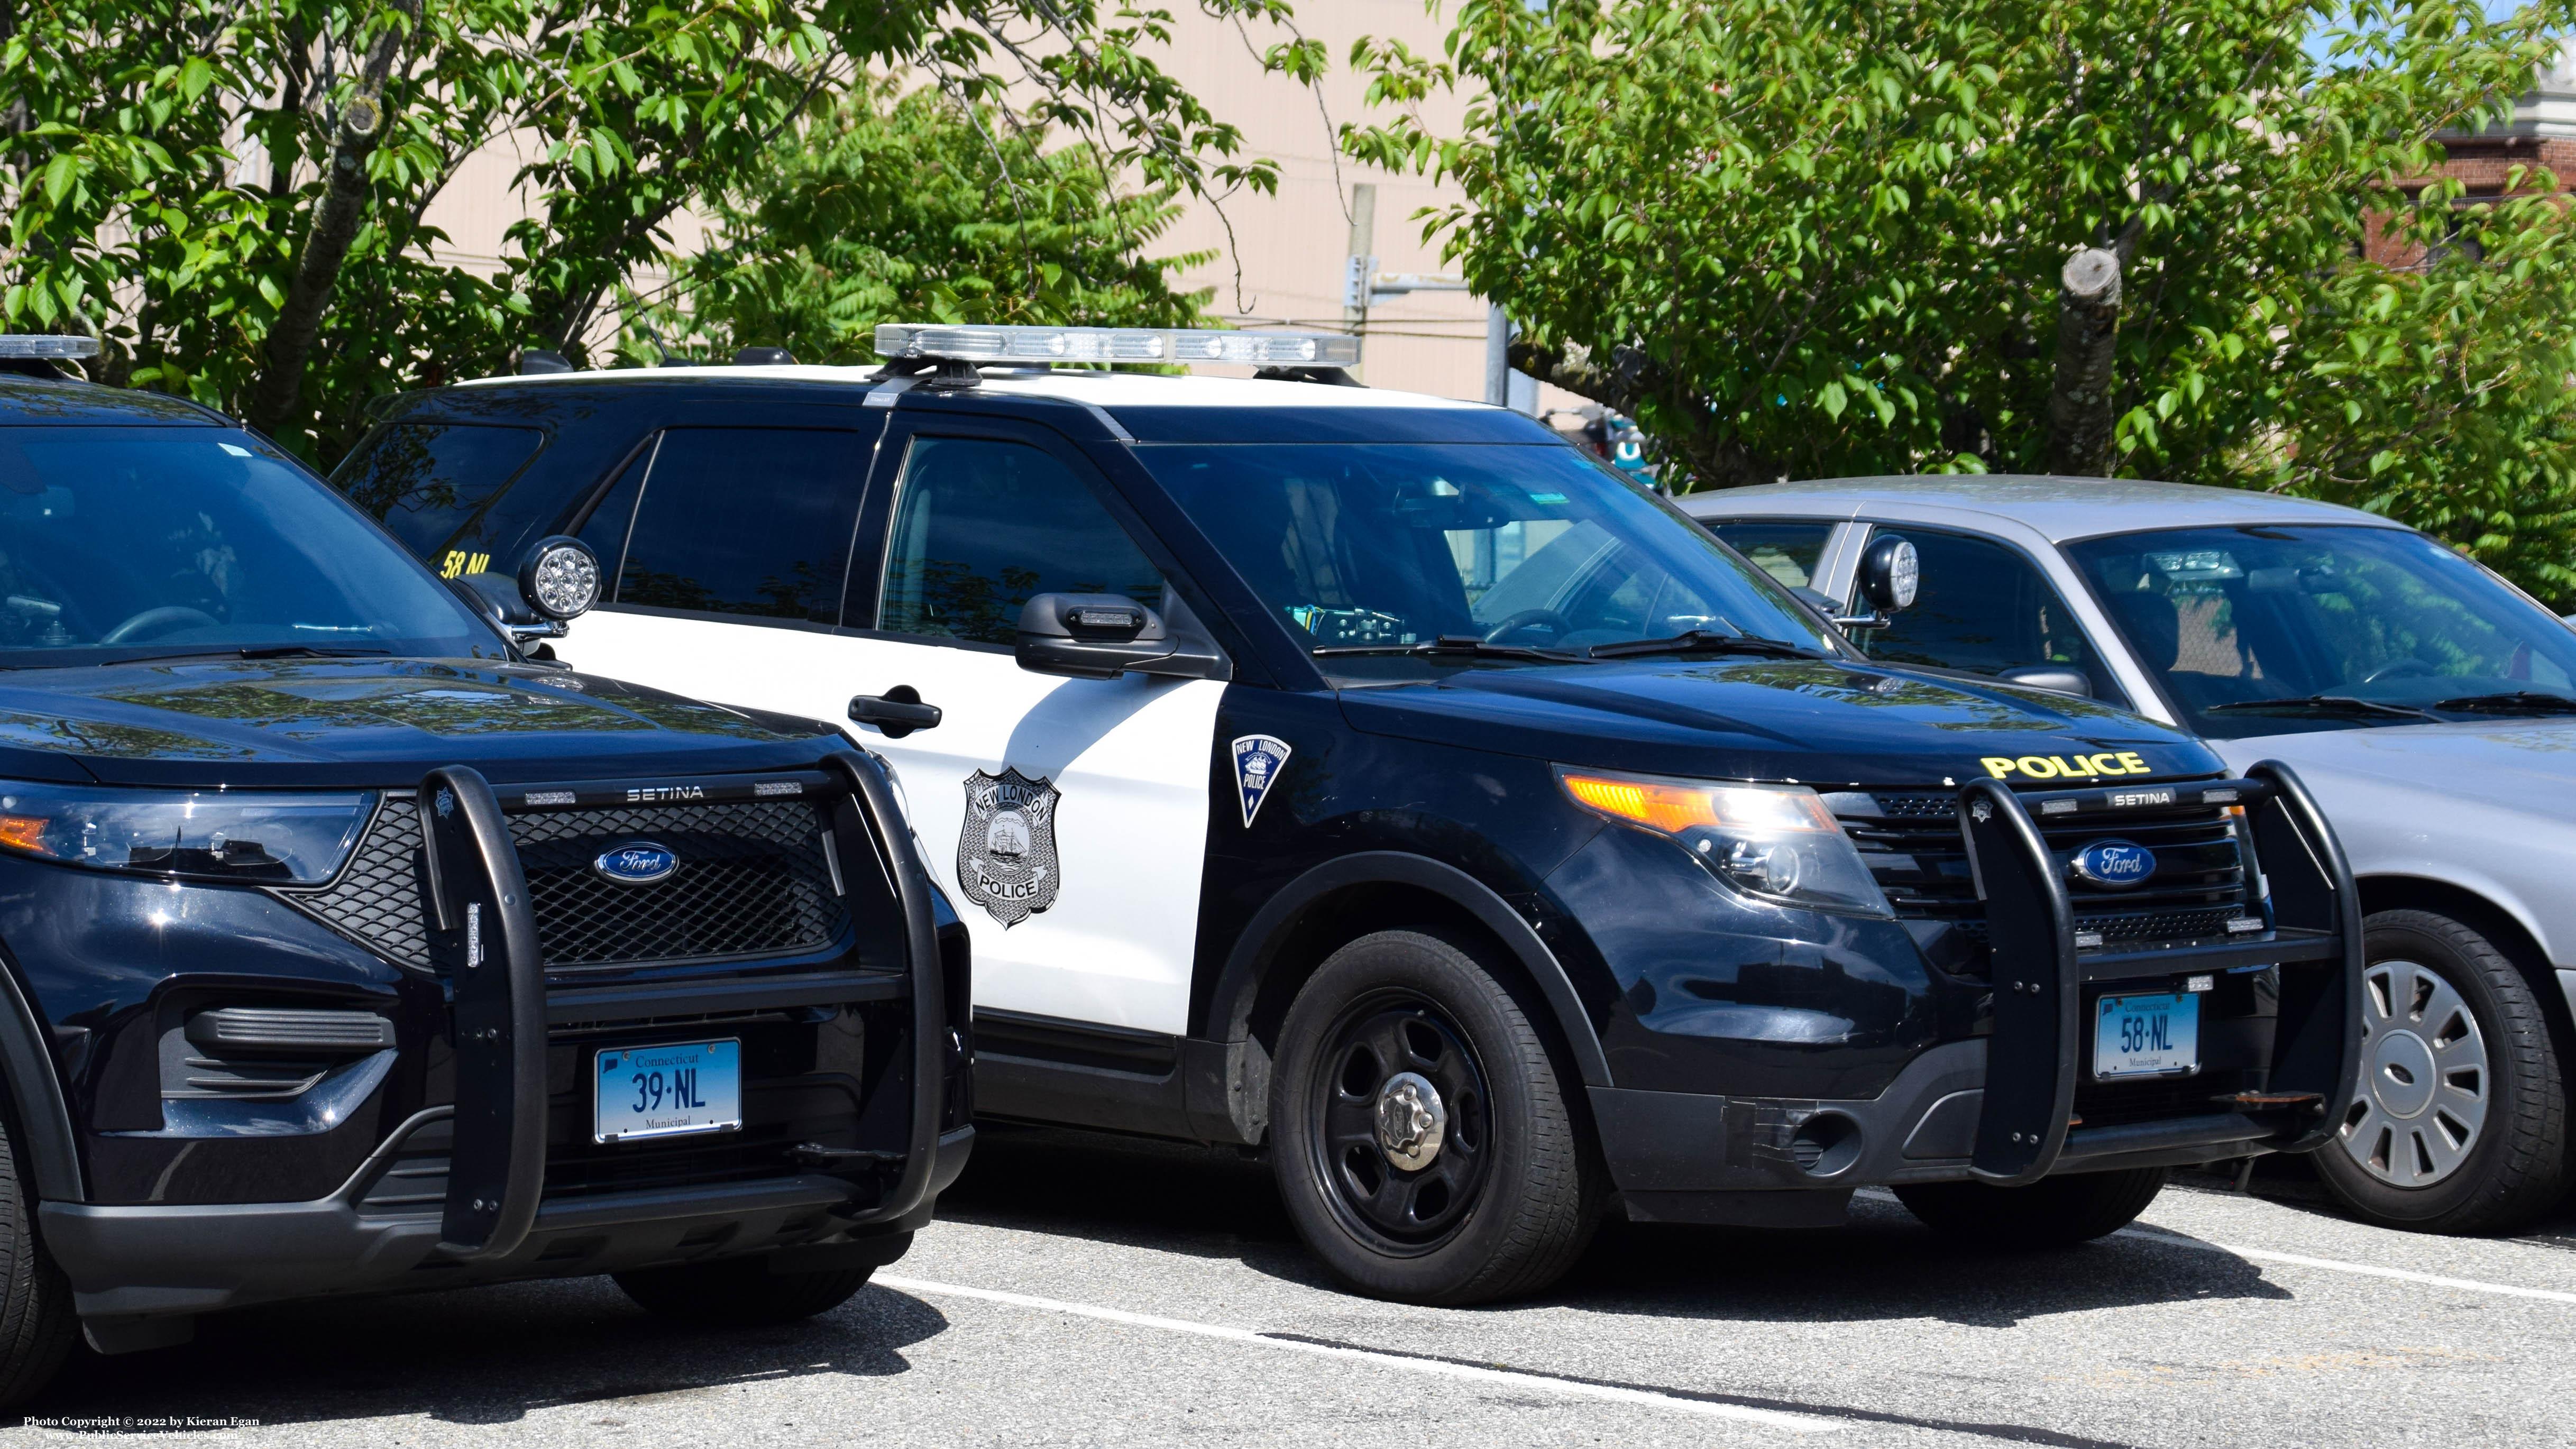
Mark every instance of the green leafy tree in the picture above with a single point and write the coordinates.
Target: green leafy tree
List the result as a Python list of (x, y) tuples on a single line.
[(1838, 237), (908, 205), (233, 197)]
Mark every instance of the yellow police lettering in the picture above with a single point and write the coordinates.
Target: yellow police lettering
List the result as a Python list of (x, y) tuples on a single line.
[(2074, 769), (2038, 767), (2137, 763), (2106, 764), (1997, 766)]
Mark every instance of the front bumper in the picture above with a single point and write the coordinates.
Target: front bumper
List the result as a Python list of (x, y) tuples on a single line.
[(131, 1263), (2009, 1107)]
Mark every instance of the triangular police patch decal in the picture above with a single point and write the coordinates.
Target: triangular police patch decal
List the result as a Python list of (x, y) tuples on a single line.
[(1258, 759)]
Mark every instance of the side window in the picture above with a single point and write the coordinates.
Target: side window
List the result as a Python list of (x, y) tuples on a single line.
[(1786, 550), (751, 521), (609, 519), (1983, 608), (980, 527), (422, 481)]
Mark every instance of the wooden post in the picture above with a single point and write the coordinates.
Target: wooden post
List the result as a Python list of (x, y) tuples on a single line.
[(2079, 401)]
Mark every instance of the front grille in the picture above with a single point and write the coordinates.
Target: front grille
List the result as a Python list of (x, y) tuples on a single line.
[(753, 880), (1912, 845)]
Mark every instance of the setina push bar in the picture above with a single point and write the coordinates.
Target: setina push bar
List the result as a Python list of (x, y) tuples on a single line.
[(2040, 970)]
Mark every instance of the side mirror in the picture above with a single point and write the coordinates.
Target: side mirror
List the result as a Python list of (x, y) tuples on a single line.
[(2055, 678), (1101, 636), (558, 581)]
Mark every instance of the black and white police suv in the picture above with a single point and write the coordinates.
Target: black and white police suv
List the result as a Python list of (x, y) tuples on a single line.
[(1376, 779), (346, 949)]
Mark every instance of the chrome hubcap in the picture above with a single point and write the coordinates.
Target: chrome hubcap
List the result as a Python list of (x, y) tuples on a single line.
[(2424, 1078), (1411, 1121)]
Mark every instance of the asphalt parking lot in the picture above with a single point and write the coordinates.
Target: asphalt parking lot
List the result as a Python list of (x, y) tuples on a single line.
[(1086, 1291)]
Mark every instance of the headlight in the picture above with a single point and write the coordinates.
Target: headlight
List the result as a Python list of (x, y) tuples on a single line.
[(1773, 842), (221, 835)]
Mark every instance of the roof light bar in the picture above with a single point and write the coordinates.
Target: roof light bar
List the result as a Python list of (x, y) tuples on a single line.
[(47, 345), (1118, 344)]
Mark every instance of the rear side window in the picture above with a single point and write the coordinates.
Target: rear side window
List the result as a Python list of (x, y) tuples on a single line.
[(425, 481), (1788, 552), (749, 521), (981, 527)]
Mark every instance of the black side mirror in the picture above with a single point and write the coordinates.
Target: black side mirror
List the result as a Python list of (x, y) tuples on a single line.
[(1101, 636), (2055, 678)]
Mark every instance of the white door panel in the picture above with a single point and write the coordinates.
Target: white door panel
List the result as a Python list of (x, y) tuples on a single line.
[(1129, 757)]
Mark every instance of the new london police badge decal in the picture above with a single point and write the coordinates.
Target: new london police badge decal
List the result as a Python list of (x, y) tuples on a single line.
[(1258, 759), (1006, 859)]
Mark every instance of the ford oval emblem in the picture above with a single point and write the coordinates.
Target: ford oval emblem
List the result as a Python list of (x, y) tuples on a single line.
[(2117, 864), (641, 863)]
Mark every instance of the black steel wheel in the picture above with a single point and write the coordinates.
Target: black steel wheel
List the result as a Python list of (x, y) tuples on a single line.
[(1403, 1131), (1423, 1143)]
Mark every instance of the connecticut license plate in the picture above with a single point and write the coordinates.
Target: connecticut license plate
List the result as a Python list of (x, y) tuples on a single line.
[(663, 1091), (2147, 1036)]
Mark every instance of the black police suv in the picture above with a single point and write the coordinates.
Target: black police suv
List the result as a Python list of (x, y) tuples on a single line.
[(1378, 780), (348, 949)]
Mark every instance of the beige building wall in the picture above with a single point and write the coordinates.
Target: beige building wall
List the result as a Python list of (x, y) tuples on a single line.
[(1280, 259)]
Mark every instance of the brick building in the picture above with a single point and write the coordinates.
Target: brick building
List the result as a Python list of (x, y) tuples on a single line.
[(2541, 134)]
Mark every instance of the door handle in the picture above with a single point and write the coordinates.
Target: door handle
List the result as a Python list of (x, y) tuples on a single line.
[(895, 713)]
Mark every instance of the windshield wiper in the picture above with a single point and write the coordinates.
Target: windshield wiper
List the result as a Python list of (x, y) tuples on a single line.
[(1704, 641), (2323, 704), (2519, 701), (1462, 646), (256, 651)]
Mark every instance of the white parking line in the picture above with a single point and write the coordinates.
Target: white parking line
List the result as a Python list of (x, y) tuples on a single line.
[(1442, 1368), (2330, 1265), (2366, 1270)]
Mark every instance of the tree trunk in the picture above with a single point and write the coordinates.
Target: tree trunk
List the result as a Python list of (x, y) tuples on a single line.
[(335, 225), (2079, 401)]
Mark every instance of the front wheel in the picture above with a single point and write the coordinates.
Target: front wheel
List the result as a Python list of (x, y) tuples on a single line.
[(2054, 1212), (2459, 1124), (1424, 1145)]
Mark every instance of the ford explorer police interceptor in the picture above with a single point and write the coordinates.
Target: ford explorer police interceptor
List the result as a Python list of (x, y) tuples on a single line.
[(1376, 779), (347, 948)]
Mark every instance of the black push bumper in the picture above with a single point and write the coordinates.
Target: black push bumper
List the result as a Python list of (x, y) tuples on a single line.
[(139, 1272), (2004, 1108)]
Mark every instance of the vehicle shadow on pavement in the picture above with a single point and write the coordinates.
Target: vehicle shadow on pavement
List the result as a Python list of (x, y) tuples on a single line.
[(476, 1356), (1884, 1265), (2290, 1183)]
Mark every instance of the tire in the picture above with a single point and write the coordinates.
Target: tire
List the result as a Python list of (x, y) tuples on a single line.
[(1422, 1141), (736, 1292), (2460, 1125), (37, 1327), (2054, 1212)]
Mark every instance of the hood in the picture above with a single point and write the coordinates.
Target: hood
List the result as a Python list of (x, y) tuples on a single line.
[(1819, 722), (2519, 766), (376, 722)]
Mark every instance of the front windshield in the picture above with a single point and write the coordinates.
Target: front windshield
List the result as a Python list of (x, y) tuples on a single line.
[(124, 543), (2235, 621), (1381, 548)]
